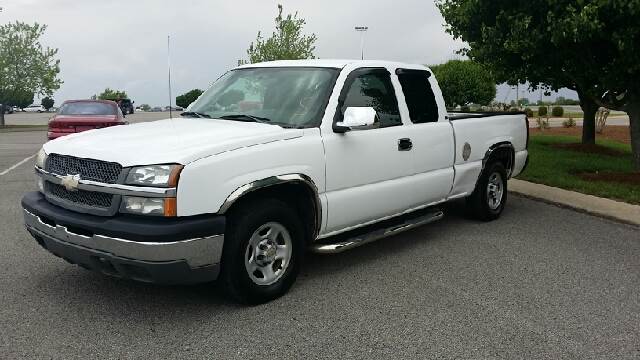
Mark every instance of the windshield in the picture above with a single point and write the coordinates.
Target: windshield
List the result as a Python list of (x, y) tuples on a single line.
[(290, 97), (87, 108)]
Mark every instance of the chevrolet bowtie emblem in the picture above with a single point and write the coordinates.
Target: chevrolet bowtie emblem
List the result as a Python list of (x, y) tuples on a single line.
[(70, 182)]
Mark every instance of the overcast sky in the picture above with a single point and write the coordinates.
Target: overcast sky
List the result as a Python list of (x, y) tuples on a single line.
[(122, 44)]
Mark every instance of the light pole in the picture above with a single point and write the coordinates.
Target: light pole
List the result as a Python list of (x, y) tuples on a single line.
[(362, 30), (169, 71)]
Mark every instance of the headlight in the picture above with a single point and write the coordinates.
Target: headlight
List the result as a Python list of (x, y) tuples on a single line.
[(41, 158), (154, 175), (149, 206)]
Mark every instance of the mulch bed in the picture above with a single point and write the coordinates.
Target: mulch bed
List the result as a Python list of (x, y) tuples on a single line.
[(624, 178), (611, 132), (587, 148)]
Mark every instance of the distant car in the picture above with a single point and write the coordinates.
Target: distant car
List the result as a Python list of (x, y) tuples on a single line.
[(34, 108), (80, 115), (126, 105), (156, 109), (173, 108)]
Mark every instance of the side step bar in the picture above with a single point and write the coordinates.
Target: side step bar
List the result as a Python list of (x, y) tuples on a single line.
[(377, 234)]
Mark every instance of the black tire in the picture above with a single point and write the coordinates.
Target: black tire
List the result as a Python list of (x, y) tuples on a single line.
[(242, 222), (480, 204)]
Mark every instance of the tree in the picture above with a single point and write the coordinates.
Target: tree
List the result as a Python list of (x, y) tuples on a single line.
[(47, 103), (590, 46), (114, 95), (514, 39), (465, 82), (186, 99), (21, 99), (26, 67), (286, 43)]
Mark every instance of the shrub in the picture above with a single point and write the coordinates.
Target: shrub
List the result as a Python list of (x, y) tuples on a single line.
[(465, 108), (569, 123), (601, 119), (529, 112), (557, 111), (542, 123), (542, 111)]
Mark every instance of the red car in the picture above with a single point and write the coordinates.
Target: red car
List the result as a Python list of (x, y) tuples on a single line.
[(80, 115)]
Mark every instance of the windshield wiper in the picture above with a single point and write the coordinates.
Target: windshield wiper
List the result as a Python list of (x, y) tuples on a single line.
[(245, 117), (195, 114)]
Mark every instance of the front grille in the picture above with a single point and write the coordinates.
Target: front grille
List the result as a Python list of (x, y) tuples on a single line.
[(79, 197), (88, 169)]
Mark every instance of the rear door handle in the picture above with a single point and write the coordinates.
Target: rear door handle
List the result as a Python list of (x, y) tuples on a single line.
[(405, 144)]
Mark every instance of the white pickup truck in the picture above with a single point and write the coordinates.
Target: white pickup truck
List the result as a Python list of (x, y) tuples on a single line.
[(274, 159)]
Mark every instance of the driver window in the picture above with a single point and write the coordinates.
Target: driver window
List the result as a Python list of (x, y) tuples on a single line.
[(373, 88)]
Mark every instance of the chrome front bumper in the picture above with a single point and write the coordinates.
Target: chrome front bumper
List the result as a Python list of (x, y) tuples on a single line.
[(185, 261)]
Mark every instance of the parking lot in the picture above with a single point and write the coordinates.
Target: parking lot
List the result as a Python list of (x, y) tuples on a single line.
[(541, 282), (23, 118)]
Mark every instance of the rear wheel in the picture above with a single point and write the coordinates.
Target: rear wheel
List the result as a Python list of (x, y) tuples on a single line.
[(490, 195), (263, 249)]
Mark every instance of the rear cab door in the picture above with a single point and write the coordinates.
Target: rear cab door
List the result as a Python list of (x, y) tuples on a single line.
[(430, 132)]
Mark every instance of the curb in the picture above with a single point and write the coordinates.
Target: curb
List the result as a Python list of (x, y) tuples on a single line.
[(23, 129), (607, 208)]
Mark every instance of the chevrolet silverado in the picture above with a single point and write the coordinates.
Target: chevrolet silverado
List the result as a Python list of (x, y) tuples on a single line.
[(272, 160)]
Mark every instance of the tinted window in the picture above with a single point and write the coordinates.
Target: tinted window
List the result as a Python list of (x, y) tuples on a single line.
[(87, 108), (419, 96), (373, 88)]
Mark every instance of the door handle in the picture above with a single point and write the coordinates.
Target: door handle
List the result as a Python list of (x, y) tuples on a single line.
[(405, 144)]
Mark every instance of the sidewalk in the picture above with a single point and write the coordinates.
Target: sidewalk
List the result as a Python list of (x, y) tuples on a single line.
[(607, 208)]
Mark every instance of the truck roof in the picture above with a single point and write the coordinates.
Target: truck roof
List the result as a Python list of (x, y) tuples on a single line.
[(331, 63)]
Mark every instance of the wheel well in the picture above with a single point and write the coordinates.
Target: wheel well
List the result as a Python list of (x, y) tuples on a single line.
[(502, 153), (295, 193)]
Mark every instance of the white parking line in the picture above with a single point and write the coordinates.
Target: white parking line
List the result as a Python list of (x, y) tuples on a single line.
[(18, 164)]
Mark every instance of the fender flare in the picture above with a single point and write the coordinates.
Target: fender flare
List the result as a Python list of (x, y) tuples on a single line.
[(496, 148), (245, 189)]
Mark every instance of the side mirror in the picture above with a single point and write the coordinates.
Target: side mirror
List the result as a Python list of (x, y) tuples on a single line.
[(357, 118)]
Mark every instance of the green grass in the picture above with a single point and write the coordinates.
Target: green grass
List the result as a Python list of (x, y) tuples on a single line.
[(557, 167)]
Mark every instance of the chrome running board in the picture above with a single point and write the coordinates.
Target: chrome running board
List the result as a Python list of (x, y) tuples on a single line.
[(377, 234)]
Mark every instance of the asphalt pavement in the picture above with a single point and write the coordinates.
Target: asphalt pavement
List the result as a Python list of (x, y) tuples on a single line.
[(541, 282)]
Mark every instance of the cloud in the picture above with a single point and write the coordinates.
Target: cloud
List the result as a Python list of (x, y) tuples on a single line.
[(122, 44)]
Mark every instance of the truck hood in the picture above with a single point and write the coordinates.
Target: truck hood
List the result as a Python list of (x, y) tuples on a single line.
[(180, 140)]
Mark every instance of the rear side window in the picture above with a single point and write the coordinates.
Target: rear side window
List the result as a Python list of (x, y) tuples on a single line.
[(373, 88), (419, 96)]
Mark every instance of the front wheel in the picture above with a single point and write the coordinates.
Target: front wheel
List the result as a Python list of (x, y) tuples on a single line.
[(490, 195), (263, 249)]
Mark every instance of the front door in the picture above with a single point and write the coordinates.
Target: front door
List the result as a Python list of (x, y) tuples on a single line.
[(367, 170)]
